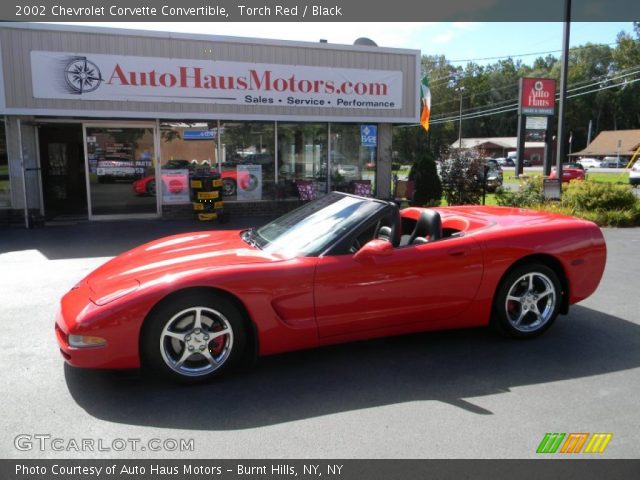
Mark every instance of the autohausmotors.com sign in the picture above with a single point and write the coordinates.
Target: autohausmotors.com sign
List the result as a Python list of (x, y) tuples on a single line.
[(90, 76)]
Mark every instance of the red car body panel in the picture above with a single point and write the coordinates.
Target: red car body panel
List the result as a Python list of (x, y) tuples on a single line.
[(310, 301), (568, 174), (173, 185)]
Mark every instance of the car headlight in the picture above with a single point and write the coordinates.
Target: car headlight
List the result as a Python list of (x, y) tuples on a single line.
[(86, 341)]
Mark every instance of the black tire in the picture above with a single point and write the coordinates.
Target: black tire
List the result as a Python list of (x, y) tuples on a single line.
[(229, 187), (203, 354), (527, 301), (151, 188)]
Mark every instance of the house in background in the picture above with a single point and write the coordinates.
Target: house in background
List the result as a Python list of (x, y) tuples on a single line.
[(612, 143), (496, 147)]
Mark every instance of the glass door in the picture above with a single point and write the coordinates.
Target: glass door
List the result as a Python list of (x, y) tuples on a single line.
[(121, 166)]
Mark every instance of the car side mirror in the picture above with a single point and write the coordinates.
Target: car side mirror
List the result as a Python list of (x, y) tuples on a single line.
[(374, 248)]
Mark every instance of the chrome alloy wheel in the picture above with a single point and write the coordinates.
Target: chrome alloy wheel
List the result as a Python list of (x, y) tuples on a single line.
[(530, 302), (196, 341)]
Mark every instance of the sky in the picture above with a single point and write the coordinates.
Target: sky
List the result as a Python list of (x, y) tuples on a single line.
[(458, 41)]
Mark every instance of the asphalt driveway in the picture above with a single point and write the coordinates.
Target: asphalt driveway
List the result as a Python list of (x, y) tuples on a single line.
[(462, 394)]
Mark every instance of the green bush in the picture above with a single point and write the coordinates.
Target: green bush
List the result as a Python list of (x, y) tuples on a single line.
[(529, 194), (460, 180), (590, 196), (428, 189), (605, 204)]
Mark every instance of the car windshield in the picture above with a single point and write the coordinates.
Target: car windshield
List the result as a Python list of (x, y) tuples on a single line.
[(312, 228)]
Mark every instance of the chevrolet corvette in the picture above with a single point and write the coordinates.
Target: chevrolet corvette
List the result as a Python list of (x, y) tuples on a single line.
[(338, 269)]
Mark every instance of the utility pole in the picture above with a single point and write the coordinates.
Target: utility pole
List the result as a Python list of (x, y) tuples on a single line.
[(563, 88), (461, 91)]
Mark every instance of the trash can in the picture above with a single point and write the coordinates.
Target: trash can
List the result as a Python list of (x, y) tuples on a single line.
[(206, 194)]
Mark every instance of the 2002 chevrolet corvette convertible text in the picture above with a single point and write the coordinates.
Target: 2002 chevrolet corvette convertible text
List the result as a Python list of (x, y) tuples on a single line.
[(338, 269)]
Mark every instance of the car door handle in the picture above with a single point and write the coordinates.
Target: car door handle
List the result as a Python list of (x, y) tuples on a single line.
[(457, 253)]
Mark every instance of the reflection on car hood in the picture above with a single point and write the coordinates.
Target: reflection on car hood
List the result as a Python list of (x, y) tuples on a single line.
[(177, 254)]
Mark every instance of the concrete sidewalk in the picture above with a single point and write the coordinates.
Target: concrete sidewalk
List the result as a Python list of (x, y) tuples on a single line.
[(107, 238)]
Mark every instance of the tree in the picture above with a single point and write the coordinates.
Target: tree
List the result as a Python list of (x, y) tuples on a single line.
[(428, 188), (460, 177)]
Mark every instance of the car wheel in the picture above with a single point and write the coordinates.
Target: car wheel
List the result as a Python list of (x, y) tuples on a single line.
[(151, 187), (228, 187), (194, 338), (527, 301)]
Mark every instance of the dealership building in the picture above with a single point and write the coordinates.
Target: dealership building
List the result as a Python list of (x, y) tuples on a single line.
[(101, 123)]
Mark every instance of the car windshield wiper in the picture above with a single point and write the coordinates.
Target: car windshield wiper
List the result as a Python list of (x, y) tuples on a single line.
[(250, 237)]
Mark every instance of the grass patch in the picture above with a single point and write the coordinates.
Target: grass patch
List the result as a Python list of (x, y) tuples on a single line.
[(601, 177)]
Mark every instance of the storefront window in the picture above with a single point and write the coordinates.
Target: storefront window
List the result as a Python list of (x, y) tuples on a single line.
[(302, 156), (121, 170), (351, 163), (5, 186), (247, 160), (186, 149)]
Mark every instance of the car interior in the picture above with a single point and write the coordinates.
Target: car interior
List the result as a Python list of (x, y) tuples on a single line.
[(402, 231)]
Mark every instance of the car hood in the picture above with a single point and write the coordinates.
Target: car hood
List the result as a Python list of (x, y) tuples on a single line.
[(173, 256)]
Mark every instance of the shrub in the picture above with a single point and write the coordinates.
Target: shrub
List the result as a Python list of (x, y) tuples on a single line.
[(529, 194), (605, 204), (590, 196), (460, 180), (428, 188)]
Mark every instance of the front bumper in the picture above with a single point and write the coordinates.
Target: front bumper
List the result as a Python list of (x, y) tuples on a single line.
[(86, 357), (120, 327)]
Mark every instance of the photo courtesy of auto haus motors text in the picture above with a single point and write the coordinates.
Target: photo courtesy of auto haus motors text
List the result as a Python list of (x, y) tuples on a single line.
[(228, 469)]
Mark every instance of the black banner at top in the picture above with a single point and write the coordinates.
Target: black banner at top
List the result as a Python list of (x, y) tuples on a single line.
[(315, 10)]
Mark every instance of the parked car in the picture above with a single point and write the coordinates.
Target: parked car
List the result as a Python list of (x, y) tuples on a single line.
[(613, 162), (570, 172), (513, 156), (341, 268), (494, 176), (590, 162), (634, 174)]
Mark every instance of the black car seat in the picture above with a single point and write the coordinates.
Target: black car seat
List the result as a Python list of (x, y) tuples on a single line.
[(390, 226), (428, 224)]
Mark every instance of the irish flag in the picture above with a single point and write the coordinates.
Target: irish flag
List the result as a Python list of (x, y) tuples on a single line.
[(425, 98)]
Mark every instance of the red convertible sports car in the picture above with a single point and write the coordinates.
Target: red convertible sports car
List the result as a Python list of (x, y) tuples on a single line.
[(147, 185), (338, 269)]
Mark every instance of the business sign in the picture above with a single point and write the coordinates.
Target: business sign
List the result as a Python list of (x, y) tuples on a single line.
[(369, 135), (536, 123), (249, 182), (537, 96), (92, 76), (198, 135)]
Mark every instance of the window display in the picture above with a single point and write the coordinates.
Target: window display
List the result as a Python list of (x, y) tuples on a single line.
[(121, 170), (302, 157), (247, 160)]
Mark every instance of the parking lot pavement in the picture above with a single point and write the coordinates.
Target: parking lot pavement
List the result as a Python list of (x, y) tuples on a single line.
[(457, 394)]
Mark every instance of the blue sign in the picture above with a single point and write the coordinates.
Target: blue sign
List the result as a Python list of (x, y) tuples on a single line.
[(198, 135), (369, 135)]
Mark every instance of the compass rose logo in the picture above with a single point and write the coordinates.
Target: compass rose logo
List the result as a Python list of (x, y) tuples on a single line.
[(82, 75)]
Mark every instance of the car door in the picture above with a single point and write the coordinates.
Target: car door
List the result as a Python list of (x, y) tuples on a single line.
[(417, 283)]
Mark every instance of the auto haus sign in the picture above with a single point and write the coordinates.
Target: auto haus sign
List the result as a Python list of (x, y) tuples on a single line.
[(85, 76), (537, 96)]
